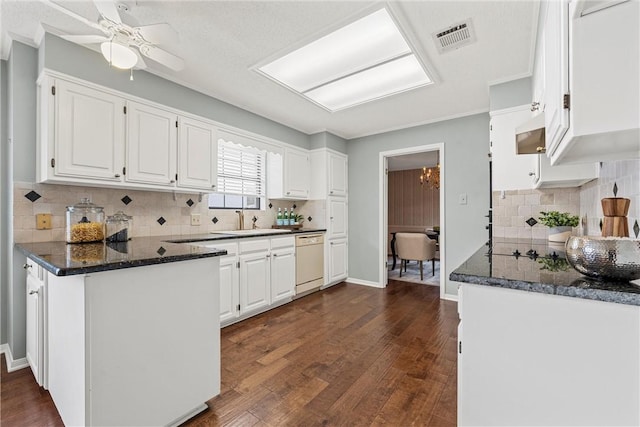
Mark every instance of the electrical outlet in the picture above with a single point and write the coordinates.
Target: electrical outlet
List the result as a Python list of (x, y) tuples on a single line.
[(195, 219), (43, 221)]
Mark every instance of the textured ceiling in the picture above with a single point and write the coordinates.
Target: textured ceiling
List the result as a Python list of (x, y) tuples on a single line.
[(221, 40)]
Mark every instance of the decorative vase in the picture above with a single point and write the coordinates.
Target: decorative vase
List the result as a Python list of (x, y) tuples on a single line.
[(559, 234)]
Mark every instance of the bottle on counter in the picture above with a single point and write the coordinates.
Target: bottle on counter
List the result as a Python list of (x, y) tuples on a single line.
[(285, 219), (279, 217), (292, 218)]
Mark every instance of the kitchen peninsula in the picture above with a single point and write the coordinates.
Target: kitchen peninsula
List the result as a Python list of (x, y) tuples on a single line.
[(131, 334), (540, 344)]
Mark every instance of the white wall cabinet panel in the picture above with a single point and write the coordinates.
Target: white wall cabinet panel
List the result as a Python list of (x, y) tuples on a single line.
[(556, 70), (338, 260), (229, 289), (510, 171), (337, 174), (254, 281), (197, 154), (337, 217), (36, 321), (512, 361), (151, 145), (89, 132), (296, 174), (283, 274)]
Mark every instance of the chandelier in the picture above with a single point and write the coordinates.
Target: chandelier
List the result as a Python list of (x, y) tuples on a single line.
[(431, 177)]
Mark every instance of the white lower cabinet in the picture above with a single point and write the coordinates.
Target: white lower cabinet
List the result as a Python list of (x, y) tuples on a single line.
[(283, 269), (254, 281), (338, 261), (229, 283), (36, 322), (526, 358)]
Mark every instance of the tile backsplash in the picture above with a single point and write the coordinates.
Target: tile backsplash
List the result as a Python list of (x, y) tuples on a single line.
[(511, 213), (146, 207), (625, 174)]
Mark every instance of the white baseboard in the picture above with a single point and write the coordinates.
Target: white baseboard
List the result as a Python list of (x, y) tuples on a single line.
[(450, 297), (13, 364), (363, 282)]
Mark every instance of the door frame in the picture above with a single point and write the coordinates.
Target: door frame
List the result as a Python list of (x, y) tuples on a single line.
[(384, 208)]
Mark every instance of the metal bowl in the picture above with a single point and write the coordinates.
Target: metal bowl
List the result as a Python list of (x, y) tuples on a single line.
[(614, 258)]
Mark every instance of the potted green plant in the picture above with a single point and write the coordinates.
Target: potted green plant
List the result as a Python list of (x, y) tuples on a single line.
[(559, 223)]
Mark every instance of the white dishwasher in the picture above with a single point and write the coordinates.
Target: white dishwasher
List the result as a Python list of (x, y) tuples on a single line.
[(309, 263)]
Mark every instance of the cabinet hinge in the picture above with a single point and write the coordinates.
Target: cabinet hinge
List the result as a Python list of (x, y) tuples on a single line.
[(176, 177), (53, 90), (176, 123), (566, 101), (490, 127), (238, 266), (124, 170), (238, 307), (124, 109), (53, 162), (460, 347)]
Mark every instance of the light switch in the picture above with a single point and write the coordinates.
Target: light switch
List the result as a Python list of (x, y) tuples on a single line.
[(462, 199), (43, 221)]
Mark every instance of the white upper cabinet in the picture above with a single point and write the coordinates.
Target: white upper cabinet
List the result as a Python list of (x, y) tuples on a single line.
[(556, 72), (329, 174), (88, 130), (603, 82), (151, 145), (337, 174), (296, 174), (197, 154)]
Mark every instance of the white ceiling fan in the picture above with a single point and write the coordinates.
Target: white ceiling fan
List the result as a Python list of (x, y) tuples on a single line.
[(123, 46)]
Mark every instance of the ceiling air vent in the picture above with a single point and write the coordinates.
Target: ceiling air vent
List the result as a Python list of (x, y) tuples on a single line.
[(454, 37)]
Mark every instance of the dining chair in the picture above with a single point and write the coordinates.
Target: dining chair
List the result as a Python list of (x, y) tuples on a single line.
[(416, 247)]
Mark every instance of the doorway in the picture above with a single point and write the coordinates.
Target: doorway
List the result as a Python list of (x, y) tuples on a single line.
[(426, 156)]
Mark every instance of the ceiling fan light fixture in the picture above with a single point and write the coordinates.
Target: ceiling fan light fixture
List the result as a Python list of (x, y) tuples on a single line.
[(118, 55)]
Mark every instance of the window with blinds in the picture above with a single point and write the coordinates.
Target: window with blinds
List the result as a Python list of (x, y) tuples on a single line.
[(241, 177)]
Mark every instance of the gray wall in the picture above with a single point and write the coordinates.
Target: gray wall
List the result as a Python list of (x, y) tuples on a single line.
[(5, 206), (69, 58), (510, 94), (21, 128), (466, 167), (328, 140)]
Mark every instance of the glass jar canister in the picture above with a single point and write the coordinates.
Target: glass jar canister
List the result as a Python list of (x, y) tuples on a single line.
[(84, 222), (118, 226)]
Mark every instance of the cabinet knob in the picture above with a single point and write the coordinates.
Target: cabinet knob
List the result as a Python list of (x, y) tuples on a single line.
[(275, 255), (331, 243), (25, 266), (173, 181), (535, 106), (288, 192), (213, 186), (117, 175), (268, 255), (33, 292), (532, 174), (331, 192)]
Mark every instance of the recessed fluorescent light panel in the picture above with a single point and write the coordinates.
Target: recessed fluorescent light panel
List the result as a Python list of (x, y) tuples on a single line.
[(361, 62)]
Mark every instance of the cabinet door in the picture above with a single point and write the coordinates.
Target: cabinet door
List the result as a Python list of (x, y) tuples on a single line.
[(283, 274), (337, 217), (229, 289), (337, 175), (338, 260), (89, 133), (556, 63), (254, 281), (197, 154), (151, 145), (510, 171), (296, 174), (35, 333)]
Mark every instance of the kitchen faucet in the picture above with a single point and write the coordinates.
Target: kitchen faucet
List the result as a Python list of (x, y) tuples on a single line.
[(240, 219)]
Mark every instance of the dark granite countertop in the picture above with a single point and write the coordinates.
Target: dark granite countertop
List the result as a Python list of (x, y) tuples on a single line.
[(542, 274), (64, 259)]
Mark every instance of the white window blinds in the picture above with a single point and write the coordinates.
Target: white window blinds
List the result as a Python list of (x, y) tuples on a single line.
[(241, 170)]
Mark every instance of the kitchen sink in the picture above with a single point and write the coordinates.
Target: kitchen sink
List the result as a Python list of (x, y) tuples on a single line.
[(253, 232)]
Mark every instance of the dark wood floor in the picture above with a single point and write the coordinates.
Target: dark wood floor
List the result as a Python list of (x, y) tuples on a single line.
[(350, 355)]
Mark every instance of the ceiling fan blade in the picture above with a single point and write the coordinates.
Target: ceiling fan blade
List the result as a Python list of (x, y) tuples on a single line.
[(87, 39), (74, 15), (140, 65), (158, 33), (108, 9), (163, 57)]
